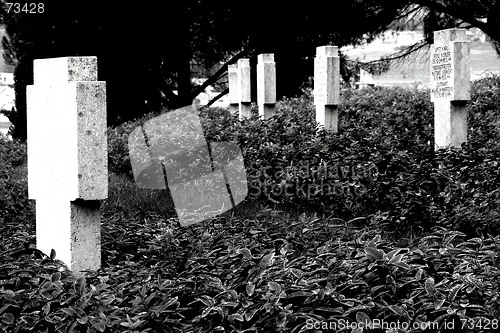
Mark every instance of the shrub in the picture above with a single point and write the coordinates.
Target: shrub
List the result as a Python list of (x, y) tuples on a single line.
[(270, 273), (382, 161), (13, 179), (274, 272)]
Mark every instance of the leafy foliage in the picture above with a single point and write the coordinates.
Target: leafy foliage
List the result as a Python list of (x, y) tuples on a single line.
[(270, 273), (382, 162), (260, 269), (12, 183)]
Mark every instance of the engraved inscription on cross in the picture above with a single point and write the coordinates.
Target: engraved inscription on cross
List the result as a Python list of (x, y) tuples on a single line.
[(450, 86)]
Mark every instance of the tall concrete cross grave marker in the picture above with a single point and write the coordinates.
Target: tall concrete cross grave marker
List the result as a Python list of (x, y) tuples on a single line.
[(266, 85), (450, 86), (234, 89), (67, 158), (244, 82), (327, 86)]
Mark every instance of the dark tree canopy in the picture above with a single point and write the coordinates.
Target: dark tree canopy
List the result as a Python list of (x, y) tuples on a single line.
[(148, 51), (482, 14)]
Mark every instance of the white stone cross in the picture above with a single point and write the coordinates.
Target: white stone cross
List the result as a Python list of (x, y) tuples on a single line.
[(327, 86), (450, 86), (67, 158), (244, 86), (266, 85), (232, 77)]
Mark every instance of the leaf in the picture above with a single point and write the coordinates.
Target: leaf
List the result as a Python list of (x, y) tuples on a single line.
[(453, 292), (98, 324), (52, 254), (266, 260), (250, 288), (392, 283), (71, 327), (56, 276), (362, 317), (392, 253), (3, 308), (373, 253), (80, 285), (402, 265), (79, 312), (237, 317), (395, 259), (429, 286), (438, 303), (250, 313), (207, 300), (108, 300), (46, 309), (274, 286), (206, 312), (70, 312), (418, 276), (247, 254), (8, 318), (397, 310)]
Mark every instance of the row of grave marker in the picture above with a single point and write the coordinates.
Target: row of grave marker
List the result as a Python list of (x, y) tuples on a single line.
[(450, 86), (67, 166), (326, 86)]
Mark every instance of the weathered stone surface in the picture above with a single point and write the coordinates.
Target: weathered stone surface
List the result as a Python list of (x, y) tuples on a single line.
[(234, 89), (66, 69), (450, 35), (67, 142), (327, 76), (450, 66), (266, 79), (450, 86), (327, 86), (244, 80), (67, 158), (450, 124), (328, 117)]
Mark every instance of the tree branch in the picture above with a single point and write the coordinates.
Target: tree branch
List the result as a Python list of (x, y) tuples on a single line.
[(220, 72), (464, 16), (216, 98), (403, 53)]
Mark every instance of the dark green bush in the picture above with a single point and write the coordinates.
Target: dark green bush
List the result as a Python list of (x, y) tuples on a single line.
[(381, 161), (273, 271), (13, 180)]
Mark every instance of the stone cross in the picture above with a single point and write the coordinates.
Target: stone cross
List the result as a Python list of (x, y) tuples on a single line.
[(67, 158), (266, 85), (327, 86), (232, 74), (245, 97), (450, 86), (365, 79)]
